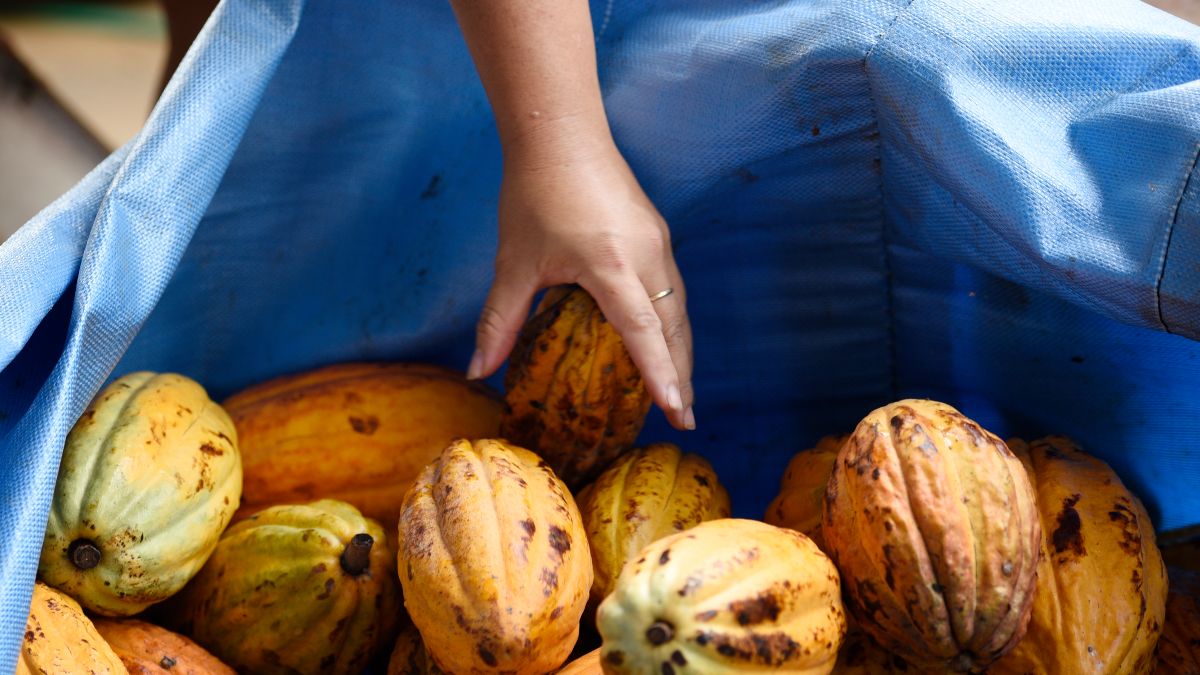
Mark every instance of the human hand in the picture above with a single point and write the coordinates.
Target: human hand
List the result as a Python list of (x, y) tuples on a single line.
[(573, 212)]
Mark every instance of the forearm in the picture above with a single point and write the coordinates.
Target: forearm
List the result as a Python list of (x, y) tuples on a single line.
[(537, 61)]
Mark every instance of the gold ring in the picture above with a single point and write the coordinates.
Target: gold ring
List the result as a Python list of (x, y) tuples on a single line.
[(661, 294)]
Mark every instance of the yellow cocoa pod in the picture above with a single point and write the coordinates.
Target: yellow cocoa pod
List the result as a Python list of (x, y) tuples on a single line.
[(646, 495), (801, 498), (150, 476), (933, 524), (356, 432), (575, 396), (494, 561), (727, 596), (1097, 542), (296, 590), (59, 639)]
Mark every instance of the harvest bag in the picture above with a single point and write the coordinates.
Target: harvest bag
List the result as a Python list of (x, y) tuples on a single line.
[(988, 203)]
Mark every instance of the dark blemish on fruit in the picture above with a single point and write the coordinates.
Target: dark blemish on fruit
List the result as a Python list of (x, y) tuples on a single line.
[(1067, 536), (364, 425), (764, 607), (560, 541)]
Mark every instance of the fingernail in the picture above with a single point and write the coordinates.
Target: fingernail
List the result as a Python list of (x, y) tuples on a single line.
[(476, 368), (689, 419), (673, 398)]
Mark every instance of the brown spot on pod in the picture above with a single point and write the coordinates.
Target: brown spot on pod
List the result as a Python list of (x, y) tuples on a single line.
[(549, 580), (560, 541), (486, 656), (364, 425), (1067, 536), (763, 607)]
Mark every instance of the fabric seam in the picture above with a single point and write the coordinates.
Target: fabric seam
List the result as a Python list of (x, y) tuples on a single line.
[(887, 31), (1174, 220), (889, 277), (1136, 86), (608, 8)]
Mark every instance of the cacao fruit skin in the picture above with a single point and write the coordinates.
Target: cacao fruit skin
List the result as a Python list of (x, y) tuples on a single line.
[(726, 596), (860, 656), (574, 395), (274, 598), (933, 524), (588, 664), (409, 656), (801, 498), (494, 561), (646, 495), (1179, 646), (150, 475), (356, 432), (1098, 543), (146, 649), (60, 639)]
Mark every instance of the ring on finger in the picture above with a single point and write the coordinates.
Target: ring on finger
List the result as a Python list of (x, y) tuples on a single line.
[(661, 294)]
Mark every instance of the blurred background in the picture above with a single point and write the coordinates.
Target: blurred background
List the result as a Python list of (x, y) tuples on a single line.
[(77, 80)]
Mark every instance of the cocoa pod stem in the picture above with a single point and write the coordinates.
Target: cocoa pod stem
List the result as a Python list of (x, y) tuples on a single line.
[(84, 554), (660, 632), (357, 556)]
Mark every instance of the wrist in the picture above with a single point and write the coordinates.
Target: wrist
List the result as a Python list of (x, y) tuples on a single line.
[(541, 140)]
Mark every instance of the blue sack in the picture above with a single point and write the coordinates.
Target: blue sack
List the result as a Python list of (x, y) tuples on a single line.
[(991, 204)]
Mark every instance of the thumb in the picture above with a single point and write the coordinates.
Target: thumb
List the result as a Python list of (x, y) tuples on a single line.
[(503, 314)]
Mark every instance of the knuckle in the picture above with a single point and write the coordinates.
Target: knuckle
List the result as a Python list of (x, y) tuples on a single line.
[(645, 321), (491, 323), (676, 332), (611, 260)]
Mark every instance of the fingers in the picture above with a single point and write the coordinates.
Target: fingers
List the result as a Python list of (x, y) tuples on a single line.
[(503, 314), (626, 305), (677, 331)]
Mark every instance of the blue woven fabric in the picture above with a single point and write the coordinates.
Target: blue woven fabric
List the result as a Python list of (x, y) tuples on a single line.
[(987, 203)]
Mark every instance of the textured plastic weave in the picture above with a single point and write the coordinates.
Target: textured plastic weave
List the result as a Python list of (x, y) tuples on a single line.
[(988, 203)]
